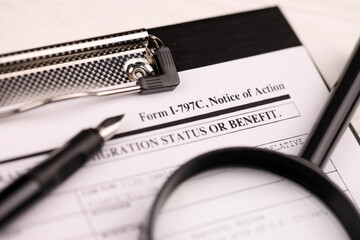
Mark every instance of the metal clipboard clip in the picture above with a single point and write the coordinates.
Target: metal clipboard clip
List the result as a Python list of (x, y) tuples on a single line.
[(113, 64)]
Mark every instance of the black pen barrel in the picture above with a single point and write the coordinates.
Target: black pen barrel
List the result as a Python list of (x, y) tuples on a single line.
[(24, 191), (17, 197), (336, 114), (65, 161)]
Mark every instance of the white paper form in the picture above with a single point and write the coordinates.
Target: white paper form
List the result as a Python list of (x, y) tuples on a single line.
[(244, 203), (269, 100)]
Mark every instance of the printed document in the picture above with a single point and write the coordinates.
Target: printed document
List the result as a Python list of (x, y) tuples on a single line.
[(266, 101)]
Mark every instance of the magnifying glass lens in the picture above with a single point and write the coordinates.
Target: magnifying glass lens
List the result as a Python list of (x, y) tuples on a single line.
[(244, 203)]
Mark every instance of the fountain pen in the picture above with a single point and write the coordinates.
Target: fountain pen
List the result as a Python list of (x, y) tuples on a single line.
[(61, 163)]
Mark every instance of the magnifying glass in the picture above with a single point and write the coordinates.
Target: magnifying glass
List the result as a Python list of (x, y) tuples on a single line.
[(248, 193)]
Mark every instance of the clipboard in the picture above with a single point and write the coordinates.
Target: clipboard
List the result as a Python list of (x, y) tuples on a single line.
[(196, 46)]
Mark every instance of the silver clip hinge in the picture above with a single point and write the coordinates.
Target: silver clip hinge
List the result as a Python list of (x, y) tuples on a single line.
[(144, 83)]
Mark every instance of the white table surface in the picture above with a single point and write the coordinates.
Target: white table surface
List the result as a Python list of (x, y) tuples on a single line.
[(328, 28)]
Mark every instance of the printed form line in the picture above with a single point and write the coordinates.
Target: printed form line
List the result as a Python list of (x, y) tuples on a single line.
[(174, 123)]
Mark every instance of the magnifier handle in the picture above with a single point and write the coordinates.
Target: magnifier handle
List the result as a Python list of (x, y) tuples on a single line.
[(336, 114)]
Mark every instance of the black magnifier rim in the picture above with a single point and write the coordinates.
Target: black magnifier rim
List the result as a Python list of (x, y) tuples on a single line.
[(294, 168)]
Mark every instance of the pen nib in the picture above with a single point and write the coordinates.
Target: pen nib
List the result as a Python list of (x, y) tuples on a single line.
[(109, 126)]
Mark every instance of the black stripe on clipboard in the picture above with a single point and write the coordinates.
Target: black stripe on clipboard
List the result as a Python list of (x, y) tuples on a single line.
[(225, 38)]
